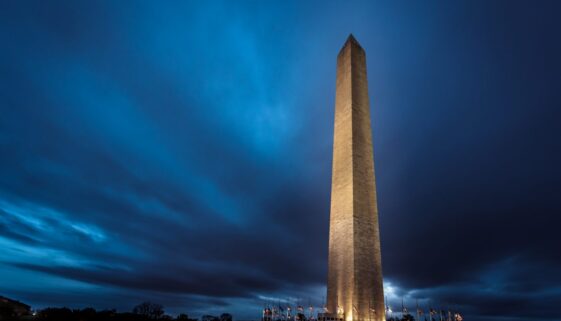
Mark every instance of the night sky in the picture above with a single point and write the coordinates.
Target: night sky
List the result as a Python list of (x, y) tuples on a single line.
[(180, 152)]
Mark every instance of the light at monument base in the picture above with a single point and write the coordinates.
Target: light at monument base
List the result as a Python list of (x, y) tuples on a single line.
[(389, 289)]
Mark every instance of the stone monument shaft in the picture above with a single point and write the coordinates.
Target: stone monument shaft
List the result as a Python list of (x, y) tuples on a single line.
[(354, 284)]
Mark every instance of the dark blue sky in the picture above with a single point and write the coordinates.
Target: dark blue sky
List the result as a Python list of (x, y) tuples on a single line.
[(180, 152)]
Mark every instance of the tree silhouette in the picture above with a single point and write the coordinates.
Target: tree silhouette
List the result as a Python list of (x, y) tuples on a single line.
[(225, 317), (149, 310)]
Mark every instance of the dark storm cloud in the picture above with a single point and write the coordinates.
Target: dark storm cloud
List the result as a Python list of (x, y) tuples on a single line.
[(181, 153)]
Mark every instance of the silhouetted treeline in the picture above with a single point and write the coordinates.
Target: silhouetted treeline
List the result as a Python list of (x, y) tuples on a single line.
[(223, 317), (143, 312)]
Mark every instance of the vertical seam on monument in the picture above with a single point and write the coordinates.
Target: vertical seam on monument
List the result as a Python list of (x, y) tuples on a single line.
[(351, 45)]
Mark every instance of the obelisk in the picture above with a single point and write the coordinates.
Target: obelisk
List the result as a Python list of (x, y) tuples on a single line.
[(354, 286)]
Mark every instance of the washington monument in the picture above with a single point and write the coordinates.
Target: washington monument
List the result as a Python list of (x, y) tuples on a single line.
[(354, 287)]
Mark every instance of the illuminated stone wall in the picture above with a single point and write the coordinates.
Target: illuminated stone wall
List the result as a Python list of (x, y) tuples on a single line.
[(355, 267)]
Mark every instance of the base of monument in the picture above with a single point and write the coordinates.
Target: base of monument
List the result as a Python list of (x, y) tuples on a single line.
[(331, 317)]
